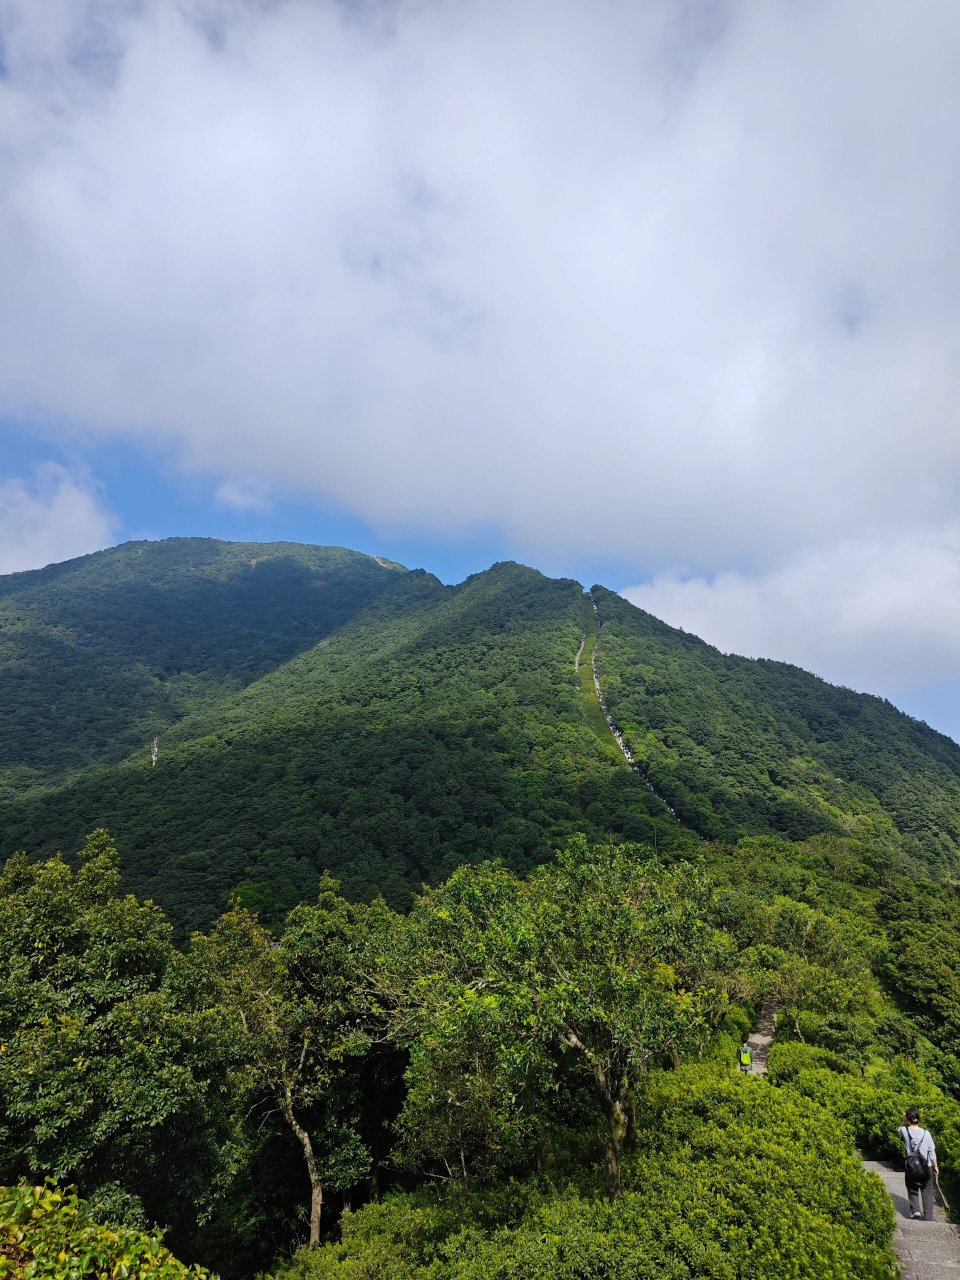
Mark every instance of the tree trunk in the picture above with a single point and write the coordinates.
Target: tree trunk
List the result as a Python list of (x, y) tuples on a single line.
[(617, 1100), (316, 1189), (618, 1119), (630, 1143)]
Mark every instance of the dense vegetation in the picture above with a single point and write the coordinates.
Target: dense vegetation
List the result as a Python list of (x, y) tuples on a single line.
[(697, 1202), (741, 747), (525, 1069), (46, 1234), (437, 726), (523, 1076), (99, 654), (318, 710)]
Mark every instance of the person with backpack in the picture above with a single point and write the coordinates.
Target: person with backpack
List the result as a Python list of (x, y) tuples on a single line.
[(920, 1166), (745, 1058)]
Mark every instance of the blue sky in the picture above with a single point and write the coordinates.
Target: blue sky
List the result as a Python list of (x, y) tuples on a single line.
[(146, 497), (664, 295)]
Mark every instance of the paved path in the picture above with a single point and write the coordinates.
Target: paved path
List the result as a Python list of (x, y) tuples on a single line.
[(926, 1250), (761, 1037)]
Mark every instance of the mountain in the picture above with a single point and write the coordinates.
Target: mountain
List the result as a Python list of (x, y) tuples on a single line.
[(742, 746), (99, 654), (320, 709)]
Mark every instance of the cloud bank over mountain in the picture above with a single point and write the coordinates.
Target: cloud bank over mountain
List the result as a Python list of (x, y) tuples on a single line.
[(873, 614), (51, 517), (672, 279)]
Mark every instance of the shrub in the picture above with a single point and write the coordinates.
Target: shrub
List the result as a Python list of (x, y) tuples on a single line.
[(788, 1057), (48, 1234), (734, 1178), (738, 1021)]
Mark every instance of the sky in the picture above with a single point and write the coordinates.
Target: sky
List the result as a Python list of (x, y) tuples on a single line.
[(659, 293)]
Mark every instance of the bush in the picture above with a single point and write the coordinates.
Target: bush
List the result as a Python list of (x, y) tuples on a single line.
[(738, 1022), (723, 1048), (789, 1057), (873, 1108), (48, 1234), (735, 1178)]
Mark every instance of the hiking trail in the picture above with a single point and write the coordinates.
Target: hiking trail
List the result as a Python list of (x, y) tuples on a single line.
[(761, 1037), (576, 661), (925, 1250), (604, 722)]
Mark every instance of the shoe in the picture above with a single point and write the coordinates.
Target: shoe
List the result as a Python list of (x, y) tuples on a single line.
[(914, 1214)]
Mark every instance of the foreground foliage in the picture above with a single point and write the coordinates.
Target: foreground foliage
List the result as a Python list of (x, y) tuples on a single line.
[(731, 1182), (526, 1075), (48, 1234), (586, 973), (110, 1074), (302, 1014)]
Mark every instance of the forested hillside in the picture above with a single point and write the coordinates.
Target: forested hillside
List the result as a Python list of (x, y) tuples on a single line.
[(526, 1068), (742, 747), (318, 710), (99, 654)]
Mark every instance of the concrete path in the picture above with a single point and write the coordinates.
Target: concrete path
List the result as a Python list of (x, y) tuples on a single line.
[(926, 1250), (761, 1037)]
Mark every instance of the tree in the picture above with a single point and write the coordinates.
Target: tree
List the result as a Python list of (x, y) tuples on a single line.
[(600, 958), (305, 1011), (109, 1076)]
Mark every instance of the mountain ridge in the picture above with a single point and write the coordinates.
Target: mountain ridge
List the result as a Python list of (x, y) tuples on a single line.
[(319, 710)]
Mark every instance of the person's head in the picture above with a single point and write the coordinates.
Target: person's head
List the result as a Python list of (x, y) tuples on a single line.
[(913, 1115)]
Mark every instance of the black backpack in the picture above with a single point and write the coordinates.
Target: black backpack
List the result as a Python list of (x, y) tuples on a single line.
[(915, 1166)]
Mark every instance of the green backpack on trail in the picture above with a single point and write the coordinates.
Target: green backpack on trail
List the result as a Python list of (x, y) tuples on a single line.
[(746, 1057)]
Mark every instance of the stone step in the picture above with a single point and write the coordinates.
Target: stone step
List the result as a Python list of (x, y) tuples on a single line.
[(940, 1231), (933, 1251), (925, 1250)]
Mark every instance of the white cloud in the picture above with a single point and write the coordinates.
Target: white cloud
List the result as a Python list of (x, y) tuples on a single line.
[(880, 615), (236, 496), (678, 277), (677, 280), (52, 517)]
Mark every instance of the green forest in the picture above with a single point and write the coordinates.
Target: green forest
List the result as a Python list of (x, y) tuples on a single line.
[(744, 746), (319, 711), (522, 1075), (389, 965)]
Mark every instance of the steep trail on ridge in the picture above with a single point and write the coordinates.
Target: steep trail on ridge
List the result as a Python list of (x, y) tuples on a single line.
[(598, 714)]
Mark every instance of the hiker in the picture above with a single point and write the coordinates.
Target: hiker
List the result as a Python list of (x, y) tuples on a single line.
[(745, 1058), (920, 1166)]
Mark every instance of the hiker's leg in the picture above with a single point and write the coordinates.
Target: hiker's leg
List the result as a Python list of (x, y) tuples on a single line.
[(913, 1196), (928, 1198)]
